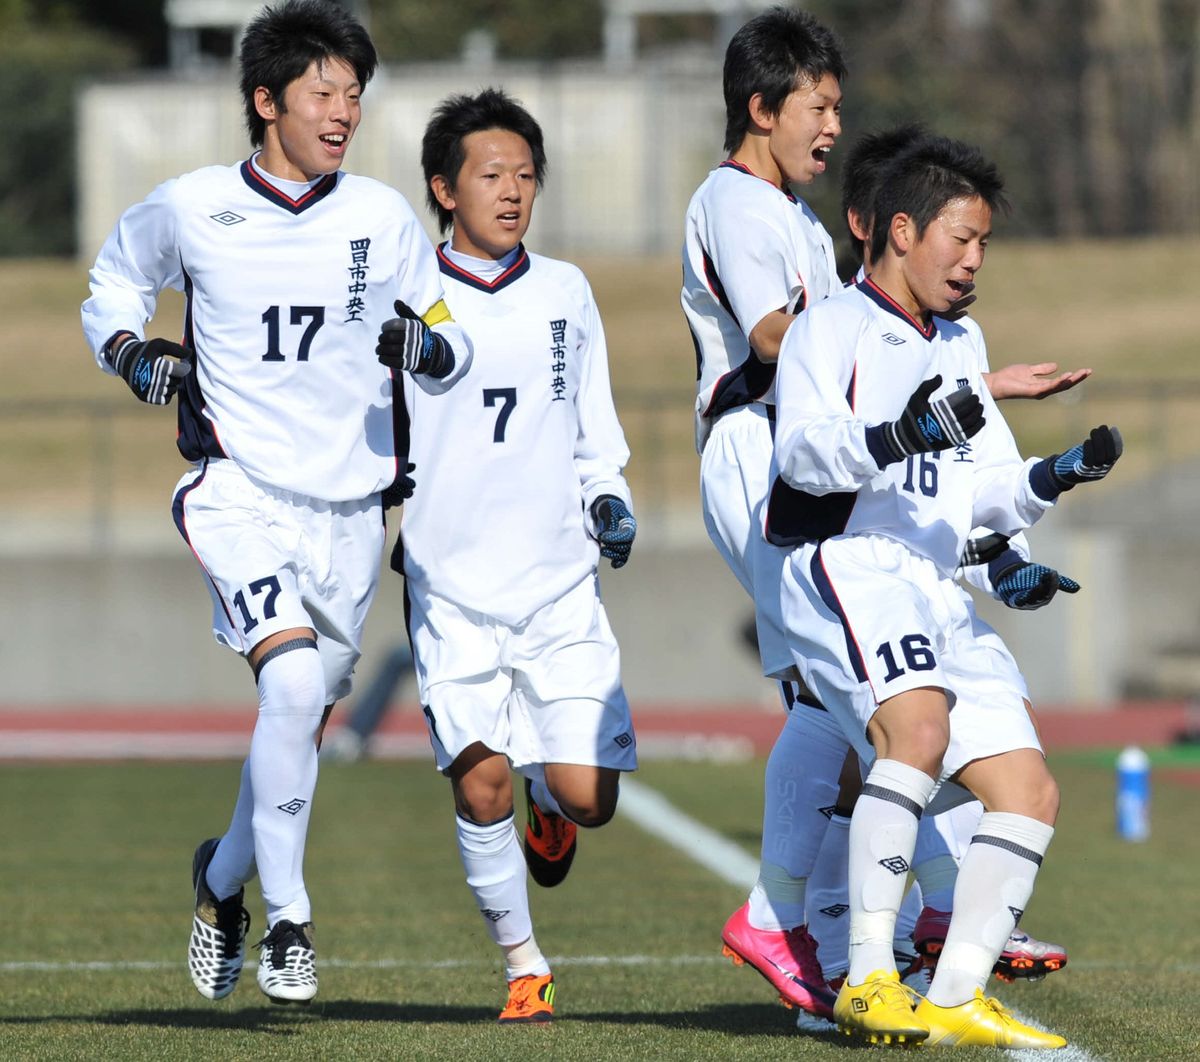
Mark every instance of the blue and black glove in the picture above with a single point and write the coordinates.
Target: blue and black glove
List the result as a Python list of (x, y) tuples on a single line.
[(1088, 462), (925, 427), (1022, 584), (616, 528), (408, 344), (400, 489), (153, 368)]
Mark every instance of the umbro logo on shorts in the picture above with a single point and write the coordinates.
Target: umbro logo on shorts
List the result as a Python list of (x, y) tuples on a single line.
[(896, 864), (835, 910), (227, 217), (293, 806), (891, 337), (493, 916), (624, 740)]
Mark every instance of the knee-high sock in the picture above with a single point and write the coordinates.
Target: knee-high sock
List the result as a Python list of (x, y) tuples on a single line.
[(942, 842), (883, 833), (232, 864), (283, 775), (799, 791), (994, 885), (496, 875), (828, 899)]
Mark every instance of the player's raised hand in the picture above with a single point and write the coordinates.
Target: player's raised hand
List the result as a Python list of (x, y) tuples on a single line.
[(616, 528), (1029, 586), (408, 344), (1091, 460), (153, 368), (1032, 381), (925, 426)]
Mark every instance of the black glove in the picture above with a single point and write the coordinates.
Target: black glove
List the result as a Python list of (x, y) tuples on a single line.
[(925, 427), (617, 528), (408, 344), (400, 489), (984, 549), (1021, 584), (153, 368), (1089, 461)]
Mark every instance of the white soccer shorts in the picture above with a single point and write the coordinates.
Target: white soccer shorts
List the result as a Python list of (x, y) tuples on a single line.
[(275, 560), (735, 481), (868, 620), (545, 691)]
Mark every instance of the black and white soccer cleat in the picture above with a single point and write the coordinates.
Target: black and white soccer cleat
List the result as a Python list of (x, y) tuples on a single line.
[(287, 964), (217, 948)]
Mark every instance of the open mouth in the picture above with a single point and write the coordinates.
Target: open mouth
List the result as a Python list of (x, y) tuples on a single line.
[(510, 218), (337, 141), (960, 288)]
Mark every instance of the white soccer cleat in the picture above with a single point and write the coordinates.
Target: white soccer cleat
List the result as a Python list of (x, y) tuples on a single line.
[(217, 947), (287, 964)]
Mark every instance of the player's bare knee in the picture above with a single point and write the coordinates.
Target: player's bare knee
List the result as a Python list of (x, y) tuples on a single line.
[(482, 785)]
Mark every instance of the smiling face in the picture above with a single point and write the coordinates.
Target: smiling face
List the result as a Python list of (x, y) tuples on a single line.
[(492, 196), (936, 269), (308, 135)]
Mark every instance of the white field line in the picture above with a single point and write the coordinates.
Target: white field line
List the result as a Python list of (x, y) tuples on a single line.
[(651, 811)]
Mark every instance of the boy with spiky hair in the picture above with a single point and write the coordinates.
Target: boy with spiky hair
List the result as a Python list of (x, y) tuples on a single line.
[(522, 494), (754, 257), (290, 269), (874, 389)]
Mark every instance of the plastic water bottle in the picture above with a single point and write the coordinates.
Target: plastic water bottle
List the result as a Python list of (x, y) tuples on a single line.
[(1133, 794)]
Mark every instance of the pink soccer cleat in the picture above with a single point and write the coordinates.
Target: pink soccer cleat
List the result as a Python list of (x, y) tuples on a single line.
[(787, 958)]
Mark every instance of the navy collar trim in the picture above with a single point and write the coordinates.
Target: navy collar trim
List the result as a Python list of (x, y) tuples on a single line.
[(741, 167), (268, 191), (513, 273), (884, 301)]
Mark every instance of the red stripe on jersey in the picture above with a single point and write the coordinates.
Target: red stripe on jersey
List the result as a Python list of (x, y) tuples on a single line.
[(882, 298)]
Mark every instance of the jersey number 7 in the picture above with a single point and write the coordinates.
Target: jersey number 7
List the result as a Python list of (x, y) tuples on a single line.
[(505, 395)]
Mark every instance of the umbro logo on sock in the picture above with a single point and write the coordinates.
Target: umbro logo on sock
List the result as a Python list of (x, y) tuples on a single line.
[(835, 910), (896, 864), (1016, 912), (293, 806), (828, 811), (490, 915)]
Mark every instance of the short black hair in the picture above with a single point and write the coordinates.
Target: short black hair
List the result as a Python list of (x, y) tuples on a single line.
[(773, 54), (864, 163), (456, 118), (923, 178), (282, 42)]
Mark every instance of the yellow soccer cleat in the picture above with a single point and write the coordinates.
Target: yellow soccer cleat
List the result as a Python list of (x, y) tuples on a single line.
[(981, 1022), (880, 1010)]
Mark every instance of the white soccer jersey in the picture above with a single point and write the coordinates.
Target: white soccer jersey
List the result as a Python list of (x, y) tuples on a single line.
[(509, 464), (749, 248), (852, 362), (285, 299)]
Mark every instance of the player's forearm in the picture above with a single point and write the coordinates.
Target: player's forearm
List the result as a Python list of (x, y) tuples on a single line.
[(767, 336)]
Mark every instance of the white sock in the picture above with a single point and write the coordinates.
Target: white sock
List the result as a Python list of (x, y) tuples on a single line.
[(883, 833), (934, 864), (906, 918), (800, 788), (283, 776), (496, 875), (994, 885), (828, 902), (525, 960), (232, 864)]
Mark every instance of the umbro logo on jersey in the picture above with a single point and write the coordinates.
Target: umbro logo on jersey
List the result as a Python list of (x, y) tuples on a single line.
[(293, 806), (492, 916), (891, 337), (227, 217)]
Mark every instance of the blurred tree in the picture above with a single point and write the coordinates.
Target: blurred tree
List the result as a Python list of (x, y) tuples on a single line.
[(43, 60)]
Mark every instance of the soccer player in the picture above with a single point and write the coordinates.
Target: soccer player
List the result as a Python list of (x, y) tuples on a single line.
[(885, 464), (521, 495), (290, 268), (754, 256)]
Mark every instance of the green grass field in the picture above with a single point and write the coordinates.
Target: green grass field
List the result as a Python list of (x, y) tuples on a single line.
[(96, 865)]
